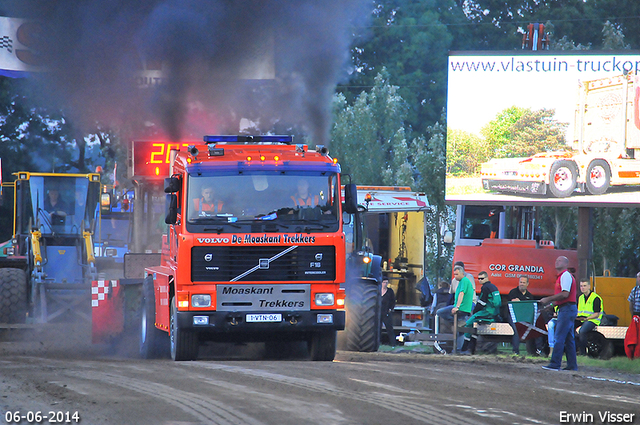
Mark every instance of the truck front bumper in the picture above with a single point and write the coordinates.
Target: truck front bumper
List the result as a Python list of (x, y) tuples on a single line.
[(517, 186), (291, 321)]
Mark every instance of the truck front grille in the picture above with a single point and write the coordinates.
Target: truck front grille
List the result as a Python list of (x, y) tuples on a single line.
[(263, 263)]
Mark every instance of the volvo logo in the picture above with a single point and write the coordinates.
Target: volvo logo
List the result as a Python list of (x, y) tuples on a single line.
[(319, 256), (208, 257)]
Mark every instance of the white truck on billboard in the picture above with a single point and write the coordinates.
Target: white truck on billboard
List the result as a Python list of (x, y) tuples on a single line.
[(605, 149)]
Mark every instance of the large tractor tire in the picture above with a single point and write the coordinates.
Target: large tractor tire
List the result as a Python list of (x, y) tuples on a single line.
[(363, 315), (13, 296), (184, 344), (153, 341), (322, 346)]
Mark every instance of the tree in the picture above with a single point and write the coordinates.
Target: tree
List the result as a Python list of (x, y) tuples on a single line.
[(369, 136), (465, 152), (429, 159)]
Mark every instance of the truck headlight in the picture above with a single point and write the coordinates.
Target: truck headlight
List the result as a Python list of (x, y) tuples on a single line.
[(324, 299), (203, 300)]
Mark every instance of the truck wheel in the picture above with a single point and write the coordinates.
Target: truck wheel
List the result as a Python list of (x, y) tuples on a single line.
[(322, 346), (13, 296), (184, 344), (363, 316), (598, 177), (563, 178), (153, 341), (599, 347)]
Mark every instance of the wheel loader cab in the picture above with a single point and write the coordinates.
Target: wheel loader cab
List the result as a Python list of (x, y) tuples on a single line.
[(55, 218)]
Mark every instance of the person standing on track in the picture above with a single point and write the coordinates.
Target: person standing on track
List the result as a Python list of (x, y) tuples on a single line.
[(565, 299), (387, 305)]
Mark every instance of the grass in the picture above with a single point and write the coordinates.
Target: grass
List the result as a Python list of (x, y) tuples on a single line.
[(619, 363)]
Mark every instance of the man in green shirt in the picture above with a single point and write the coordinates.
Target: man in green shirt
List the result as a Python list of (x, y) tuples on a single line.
[(462, 303)]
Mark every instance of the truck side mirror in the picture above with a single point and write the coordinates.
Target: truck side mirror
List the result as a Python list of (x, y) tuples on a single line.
[(350, 198), (171, 208), (171, 184)]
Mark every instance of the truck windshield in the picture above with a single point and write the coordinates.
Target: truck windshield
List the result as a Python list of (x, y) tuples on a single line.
[(266, 198), (62, 204)]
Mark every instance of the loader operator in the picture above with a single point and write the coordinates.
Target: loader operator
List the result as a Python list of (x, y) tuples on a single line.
[(56, 206)]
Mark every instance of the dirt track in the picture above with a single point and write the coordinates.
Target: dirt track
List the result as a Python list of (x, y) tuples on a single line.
[(232, 385)]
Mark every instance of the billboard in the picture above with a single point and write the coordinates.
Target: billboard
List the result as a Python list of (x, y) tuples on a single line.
[(553, 128)]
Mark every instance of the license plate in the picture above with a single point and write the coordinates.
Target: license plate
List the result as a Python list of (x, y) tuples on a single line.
[(253, 318)]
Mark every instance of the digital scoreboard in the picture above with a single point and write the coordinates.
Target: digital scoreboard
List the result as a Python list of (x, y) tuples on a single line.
[(151, 159)]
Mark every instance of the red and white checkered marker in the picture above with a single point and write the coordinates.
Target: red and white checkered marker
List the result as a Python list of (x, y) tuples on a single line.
[(100, 290)]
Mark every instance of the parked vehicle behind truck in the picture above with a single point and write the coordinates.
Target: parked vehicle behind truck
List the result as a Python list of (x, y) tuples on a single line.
[(605, 147), (481, 244), (46, 274)]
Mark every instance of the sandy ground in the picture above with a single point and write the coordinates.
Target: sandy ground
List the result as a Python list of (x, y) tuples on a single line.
[(232, 384)]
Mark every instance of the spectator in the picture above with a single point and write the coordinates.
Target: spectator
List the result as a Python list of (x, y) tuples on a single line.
[(634, 298), (487, 308), (590, 309), (387, 304), (454, 282), (564, 298), (441, 298), (302, 197), (551, 331), (521, 293), (463, 302), (207, 204)]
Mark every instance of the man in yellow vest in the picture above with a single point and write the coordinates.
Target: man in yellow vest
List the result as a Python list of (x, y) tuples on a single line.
[(590, 310)]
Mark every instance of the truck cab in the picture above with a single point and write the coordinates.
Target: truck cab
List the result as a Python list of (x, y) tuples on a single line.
[(255, 249)]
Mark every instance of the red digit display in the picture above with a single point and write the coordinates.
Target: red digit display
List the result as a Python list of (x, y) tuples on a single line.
[(151, 158)]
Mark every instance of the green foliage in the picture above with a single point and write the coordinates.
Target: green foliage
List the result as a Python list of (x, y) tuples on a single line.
[(616, 241), (521, 132), (369, 136), (465, 152)]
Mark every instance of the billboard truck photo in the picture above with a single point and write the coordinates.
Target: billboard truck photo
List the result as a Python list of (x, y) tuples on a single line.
[(553, 128)]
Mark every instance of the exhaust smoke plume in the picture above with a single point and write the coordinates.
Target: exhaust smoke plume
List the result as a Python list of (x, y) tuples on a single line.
[(265, 60)]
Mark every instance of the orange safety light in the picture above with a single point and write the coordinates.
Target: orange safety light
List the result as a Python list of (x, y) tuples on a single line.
[(276, 158), (183, 300), (367, 197), (335, 160), (262, 158), (249, 159), (157, 171)]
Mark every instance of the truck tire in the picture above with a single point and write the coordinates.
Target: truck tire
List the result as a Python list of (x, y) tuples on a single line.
[(563, 178), (598, 177), (184, 344), (153, 341), (599, 347), (322, 346), (13, 296), (363, 316)]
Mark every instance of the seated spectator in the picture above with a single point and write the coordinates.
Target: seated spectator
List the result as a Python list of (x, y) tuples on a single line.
[(521, 293), (590, 311), (441, 298), (487, 309)]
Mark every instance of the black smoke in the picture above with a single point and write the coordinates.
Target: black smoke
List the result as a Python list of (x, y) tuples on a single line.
[(94, 50)]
